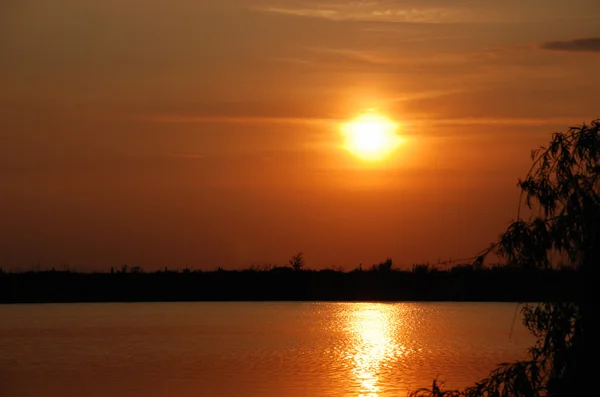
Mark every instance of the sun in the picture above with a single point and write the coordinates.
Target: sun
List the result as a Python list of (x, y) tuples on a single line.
[(371, 137)]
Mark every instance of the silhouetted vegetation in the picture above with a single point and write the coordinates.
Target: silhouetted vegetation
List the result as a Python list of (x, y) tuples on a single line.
[(294, 282), (297, 261), (563, 191)]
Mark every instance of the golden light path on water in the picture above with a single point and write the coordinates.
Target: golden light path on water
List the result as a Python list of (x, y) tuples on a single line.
[(372, 327)]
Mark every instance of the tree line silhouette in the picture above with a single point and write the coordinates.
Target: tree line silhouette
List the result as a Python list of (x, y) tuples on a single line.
[(293, 282)]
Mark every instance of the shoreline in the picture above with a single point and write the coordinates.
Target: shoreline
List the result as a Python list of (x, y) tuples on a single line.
[(286, 285)]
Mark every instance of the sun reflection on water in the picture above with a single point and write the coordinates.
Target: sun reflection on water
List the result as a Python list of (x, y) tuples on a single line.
[(373, 345)]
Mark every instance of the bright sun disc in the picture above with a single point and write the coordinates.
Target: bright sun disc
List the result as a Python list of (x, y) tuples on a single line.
[(371, 137)]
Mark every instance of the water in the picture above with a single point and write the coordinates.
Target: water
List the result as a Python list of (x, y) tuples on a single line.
[(251, 349)]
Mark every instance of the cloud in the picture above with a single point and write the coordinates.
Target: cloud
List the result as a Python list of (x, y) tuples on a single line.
[(372, 11), (233, 119), (504, 105), (431, 11), (590, 44)]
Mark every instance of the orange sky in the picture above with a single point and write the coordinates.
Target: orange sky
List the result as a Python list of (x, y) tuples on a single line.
[(206, 133)]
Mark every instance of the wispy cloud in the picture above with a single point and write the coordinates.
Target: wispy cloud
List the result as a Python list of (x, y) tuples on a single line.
[(356, 55), (519, 121), (590, 44), (192, 119), (374, 11), (432, 11)]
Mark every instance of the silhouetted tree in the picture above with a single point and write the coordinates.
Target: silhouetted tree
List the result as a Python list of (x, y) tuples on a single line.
[(562, 189), (297, 261), (385, 266)]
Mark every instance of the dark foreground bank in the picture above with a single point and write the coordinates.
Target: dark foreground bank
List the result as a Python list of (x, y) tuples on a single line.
[(462, 283)]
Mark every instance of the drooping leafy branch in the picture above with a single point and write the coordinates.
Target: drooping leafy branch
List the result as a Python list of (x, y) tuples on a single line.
[(562, 191)]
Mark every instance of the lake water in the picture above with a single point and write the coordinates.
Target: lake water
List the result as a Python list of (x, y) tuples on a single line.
[(252, 349)]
